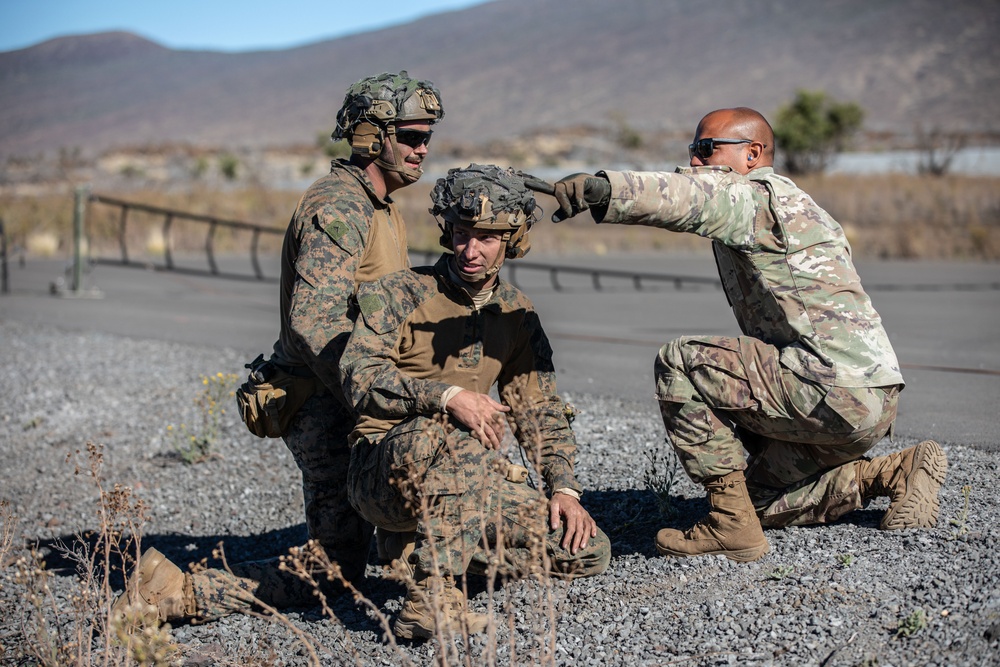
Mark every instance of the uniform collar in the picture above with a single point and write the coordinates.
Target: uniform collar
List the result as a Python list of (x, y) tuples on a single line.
[(443, 271), (359, 174)]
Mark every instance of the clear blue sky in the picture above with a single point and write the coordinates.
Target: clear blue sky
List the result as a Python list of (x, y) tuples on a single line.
[(218, 25)]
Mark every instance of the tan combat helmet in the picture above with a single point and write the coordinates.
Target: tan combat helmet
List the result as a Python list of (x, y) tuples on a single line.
[(372, 108), (486, 197)]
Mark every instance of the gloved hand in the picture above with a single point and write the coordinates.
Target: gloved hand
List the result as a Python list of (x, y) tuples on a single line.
[(578, 192)]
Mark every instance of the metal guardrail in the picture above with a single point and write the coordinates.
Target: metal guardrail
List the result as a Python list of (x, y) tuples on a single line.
[(511, 269), (169, 216), (598, 276)]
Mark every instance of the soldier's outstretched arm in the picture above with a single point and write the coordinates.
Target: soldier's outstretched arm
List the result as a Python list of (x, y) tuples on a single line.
[(713, 202)]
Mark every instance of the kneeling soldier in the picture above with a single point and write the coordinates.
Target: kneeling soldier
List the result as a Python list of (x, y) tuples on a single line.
[(427, 348)]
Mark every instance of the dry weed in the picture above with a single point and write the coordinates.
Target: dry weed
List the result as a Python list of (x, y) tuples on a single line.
[(82, 632), (522, 629), (530, 593)]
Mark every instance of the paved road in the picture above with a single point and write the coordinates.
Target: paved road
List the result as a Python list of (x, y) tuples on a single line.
[(947, 336)]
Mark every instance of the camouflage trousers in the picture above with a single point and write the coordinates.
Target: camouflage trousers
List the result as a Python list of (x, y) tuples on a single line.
[(317, 438), (720, 395), (440, 481)]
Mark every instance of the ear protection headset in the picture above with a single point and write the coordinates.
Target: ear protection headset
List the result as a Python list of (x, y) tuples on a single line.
[(366, 140)]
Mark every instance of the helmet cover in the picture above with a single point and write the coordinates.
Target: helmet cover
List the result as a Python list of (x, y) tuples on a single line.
[(486, 197), (388, 98)]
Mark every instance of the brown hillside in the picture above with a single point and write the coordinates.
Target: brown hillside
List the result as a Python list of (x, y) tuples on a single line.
[(512, 66)]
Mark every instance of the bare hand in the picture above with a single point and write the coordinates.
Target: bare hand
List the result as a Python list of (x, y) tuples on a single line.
[(481, 414), (580, 527)]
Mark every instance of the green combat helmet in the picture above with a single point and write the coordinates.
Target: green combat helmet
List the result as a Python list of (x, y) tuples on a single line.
[(486, 197), (373, 106)]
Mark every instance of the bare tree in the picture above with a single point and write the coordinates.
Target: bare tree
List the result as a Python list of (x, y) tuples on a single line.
[(938, 148)]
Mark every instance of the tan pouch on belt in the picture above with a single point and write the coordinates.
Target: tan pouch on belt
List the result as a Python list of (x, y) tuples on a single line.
[(270, 398)]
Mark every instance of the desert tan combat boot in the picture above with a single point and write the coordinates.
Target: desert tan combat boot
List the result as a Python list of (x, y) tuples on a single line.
[(433, 600), (160, 587), (731, 527), (911, 479)]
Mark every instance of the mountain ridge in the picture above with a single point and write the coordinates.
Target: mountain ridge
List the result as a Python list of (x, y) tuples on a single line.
[(511, 67)]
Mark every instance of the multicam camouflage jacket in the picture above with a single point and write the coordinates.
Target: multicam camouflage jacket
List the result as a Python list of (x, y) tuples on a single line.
[(419, 333), (784, 262), (341, 235)]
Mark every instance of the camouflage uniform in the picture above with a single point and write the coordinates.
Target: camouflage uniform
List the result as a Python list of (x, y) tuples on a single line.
[(419, 333), (813, 382), (340, 235)]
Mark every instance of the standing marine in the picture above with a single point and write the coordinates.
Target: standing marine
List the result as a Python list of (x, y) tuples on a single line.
[(813, 382)]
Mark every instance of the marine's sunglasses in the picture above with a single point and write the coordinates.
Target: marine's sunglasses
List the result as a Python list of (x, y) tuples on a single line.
[(704, 148), (413, 138)]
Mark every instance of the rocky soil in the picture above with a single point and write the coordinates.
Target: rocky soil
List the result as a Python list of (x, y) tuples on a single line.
[(844, 594)]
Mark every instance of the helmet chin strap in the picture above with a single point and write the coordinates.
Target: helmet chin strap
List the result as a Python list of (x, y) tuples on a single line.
[(498, 262), (408, 174)]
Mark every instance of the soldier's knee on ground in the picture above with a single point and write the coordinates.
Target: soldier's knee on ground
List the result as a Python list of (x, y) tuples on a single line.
[(587, 562)]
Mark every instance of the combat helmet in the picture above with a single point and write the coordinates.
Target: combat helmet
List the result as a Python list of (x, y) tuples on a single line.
[(486, 197), (372, 107)]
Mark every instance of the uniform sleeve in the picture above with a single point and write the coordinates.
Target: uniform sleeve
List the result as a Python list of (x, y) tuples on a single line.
[(715, 203), (373, 383), (331, 240), (540, 420)]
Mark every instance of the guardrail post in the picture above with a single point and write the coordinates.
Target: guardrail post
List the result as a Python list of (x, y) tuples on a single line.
[(79, 217), (82, 196)]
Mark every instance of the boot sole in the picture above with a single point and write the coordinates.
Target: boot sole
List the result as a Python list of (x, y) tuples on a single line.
[(738, 555), (413, 630), (920, 505)]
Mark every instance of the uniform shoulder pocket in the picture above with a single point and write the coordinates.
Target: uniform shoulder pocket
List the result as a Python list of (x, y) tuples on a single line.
[(344, 230), (345, 221), (377, 308)]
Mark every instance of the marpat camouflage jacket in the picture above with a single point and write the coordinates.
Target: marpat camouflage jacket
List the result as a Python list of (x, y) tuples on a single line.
[(341, 234), (419, 333)]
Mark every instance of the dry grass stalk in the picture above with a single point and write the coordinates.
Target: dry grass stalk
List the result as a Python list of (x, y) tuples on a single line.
[(55, 635), (84, 633)]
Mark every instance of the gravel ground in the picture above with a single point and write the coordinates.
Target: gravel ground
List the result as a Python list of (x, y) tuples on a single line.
[(833, 595)]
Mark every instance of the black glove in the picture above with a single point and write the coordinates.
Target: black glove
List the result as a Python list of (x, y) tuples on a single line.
[(578, 192)]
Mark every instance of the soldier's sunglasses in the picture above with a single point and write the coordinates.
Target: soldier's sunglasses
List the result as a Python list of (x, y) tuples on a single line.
[(704, 148), (413, 138)]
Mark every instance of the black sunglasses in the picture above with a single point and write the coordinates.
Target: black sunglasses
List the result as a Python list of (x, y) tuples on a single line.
[(413, 138), (704, 148)]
